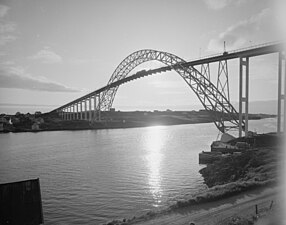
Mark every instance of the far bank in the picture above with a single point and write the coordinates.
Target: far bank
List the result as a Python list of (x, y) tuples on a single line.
[(109, 120)]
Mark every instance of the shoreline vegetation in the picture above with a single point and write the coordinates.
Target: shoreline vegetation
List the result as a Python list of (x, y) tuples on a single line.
[(251, 170), (109, 120)]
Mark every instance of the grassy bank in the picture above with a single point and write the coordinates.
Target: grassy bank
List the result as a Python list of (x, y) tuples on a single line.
[(227, 177)]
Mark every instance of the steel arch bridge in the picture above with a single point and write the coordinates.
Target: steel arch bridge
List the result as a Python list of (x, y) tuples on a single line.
[(213, 100)]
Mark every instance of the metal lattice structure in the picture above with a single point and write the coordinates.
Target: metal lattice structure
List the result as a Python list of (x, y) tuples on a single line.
[(213, 100)]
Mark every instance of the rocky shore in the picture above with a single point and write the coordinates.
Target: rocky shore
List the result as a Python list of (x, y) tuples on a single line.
[(252, 170)]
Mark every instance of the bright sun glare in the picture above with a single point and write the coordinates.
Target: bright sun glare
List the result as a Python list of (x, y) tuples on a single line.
[(154, 157)]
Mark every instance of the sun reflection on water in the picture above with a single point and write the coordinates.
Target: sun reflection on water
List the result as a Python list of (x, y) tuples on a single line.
[(154, 158)]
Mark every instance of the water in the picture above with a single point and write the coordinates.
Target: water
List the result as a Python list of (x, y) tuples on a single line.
[(90, 177)]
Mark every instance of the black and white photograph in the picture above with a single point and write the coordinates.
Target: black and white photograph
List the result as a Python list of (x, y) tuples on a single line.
[(142, 112)]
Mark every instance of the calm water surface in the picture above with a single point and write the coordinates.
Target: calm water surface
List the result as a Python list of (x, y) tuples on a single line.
[(90, 177)]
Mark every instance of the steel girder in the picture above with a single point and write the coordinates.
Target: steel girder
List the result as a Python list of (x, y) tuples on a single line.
[(211, 98)]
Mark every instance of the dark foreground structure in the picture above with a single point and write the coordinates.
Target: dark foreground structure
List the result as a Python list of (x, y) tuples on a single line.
[(21, 203)]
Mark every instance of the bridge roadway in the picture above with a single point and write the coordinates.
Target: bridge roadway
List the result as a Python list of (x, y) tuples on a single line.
[(240, 53)]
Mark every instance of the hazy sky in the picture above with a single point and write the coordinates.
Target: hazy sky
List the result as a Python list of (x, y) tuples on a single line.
[(55, 51)]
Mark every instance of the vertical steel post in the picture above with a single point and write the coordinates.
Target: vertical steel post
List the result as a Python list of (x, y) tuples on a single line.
[(205, 70), (246, 96), (68, 113), (74, 112), (281, 93), (99, 107), (77, 115), (81, 112), (85, 109), (71, 112), (284, 111), (94, 116), (222, 79), (243, 94), (223, 87), (90, 112)]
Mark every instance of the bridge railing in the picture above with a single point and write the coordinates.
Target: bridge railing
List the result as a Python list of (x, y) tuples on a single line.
[(237, 50)]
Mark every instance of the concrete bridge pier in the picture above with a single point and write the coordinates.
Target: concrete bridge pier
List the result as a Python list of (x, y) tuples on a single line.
[(99, 108), (281, 116), (73, 112), (77, 114), (85, 110), (243, 93), (90, 112), (94, 108), (69, 113), (66, 114), (81, 116)]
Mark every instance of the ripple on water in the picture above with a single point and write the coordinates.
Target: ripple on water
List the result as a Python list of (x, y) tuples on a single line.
[(90, 177)]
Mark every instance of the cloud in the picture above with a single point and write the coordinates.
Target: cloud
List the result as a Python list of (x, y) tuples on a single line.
[(13, 77), (4, 39), (46, 55), (241, 33), (220, 4), (3, 10), (7, 29)]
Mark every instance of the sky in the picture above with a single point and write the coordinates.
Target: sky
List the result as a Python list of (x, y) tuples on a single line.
[(52, 52)]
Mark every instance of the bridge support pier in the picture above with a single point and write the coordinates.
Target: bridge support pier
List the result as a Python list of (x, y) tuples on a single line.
[(94, 107), (70, 113), (77, 115), (281, 116), (81, 113), (74, 113), (205, 70), (222, 79), (85, 109), (90, 112), (243, 94), (99, 108)]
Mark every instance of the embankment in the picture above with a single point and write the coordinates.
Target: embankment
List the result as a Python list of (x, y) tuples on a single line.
[(225, 178)]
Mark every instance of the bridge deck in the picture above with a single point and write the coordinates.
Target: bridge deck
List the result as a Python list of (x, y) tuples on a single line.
[(248, 52)]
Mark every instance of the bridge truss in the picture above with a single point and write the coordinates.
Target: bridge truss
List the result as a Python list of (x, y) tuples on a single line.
[(214, 97)]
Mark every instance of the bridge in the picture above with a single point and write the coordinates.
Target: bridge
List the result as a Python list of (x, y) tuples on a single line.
[(196, 73)]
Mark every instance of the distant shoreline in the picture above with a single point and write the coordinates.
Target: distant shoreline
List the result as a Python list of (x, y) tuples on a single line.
[(110, 120), (108, 126)]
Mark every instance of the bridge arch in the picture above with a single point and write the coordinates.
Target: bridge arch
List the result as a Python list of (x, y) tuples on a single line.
[(224, 114)]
